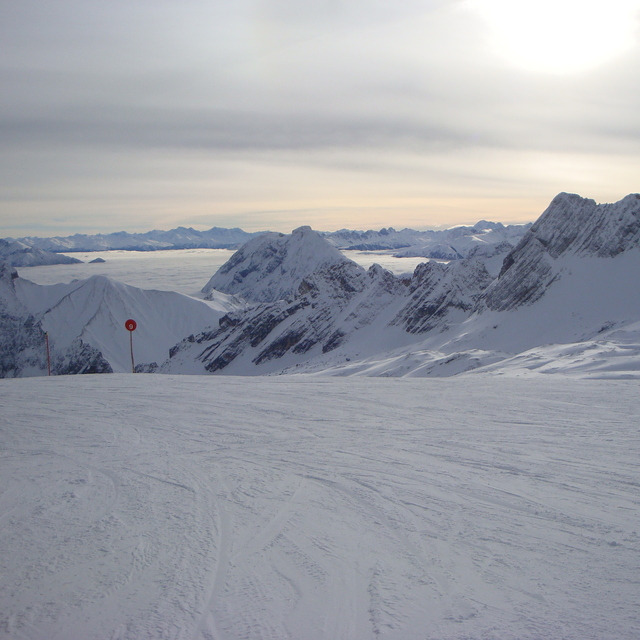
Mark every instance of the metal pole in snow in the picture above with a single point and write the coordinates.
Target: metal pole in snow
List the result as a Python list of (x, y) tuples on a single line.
[(46, 339), (130, 326)]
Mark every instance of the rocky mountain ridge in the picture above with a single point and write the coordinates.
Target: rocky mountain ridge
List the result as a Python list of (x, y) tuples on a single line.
[(456, 310), (444, 244), (568, 292), (271, 266), (570, 226), (179, 238)]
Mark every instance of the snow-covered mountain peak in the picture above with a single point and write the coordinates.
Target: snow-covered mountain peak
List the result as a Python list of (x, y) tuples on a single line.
[(85, 322), (272, 266), (485, 225), (571, 227), (576, 224)]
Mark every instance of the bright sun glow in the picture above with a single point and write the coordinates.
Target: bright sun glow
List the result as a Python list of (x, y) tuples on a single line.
[(560, 36)]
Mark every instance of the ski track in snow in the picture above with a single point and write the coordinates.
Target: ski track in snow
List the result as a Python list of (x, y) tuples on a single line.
[(217, 508)]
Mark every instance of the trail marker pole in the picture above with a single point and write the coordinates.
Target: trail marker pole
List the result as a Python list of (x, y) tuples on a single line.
[(130, 326), (46, 340)]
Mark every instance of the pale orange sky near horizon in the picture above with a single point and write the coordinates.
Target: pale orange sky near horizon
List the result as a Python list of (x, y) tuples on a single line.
[(271, 114)]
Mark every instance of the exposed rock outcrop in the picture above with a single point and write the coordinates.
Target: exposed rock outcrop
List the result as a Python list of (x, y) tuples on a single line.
[(437, 290), (571, 225)]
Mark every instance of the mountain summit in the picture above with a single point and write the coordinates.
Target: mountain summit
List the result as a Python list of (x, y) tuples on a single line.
[(272, 266), (571, 227)]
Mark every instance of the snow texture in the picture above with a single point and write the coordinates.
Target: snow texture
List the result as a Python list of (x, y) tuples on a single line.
[(472, 508)]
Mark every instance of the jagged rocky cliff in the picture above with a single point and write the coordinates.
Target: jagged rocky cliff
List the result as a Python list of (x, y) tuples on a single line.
[(437, 290), (570, 278), (570, 226), (310, 320), (320, 309)]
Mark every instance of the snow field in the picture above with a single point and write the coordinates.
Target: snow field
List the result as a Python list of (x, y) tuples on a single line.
[(481, 507)]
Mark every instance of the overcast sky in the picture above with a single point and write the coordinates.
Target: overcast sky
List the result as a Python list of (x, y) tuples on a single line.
[(268, 114)]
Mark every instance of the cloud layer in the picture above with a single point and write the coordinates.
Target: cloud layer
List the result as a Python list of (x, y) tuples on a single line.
[(270, 114)]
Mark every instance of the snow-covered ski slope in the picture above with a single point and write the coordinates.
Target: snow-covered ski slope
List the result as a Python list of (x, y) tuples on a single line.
[(191, 507)]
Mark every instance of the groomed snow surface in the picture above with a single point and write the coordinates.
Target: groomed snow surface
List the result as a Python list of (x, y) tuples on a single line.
[(477, 507)]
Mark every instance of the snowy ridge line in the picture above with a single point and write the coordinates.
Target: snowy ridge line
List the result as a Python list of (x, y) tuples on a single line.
[(570, 279), (85, 324), (179, 238), (19, 254), (446, 244), (294, 303)]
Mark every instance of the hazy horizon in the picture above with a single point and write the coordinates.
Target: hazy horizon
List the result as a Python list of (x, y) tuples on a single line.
[(202, 228)]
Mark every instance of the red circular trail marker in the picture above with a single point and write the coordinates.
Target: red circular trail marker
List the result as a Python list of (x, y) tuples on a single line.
[(130, 325)]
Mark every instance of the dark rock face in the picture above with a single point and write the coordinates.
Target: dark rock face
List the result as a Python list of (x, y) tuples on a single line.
[(571, 225), (79, 358), (22, 346), (436, 289), (23, 351), (294, 325)]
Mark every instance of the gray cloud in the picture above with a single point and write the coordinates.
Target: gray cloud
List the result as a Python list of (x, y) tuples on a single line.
[(325, 86)]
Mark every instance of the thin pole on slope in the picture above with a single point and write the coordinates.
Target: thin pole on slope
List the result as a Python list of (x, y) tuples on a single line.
[(46, 340), (130, 325), (133, 366)]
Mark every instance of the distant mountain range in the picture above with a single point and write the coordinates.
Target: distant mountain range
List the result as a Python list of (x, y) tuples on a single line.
[(565, 298), (180, 238), (447, 244)]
